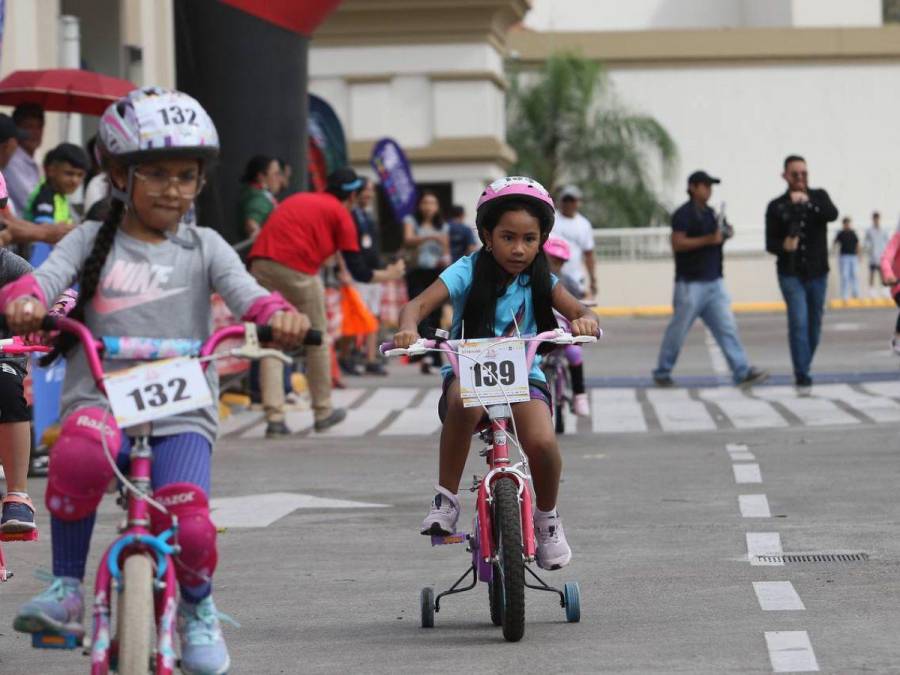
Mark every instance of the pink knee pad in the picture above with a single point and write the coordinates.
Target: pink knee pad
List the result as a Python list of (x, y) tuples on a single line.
[(196, 532), (79, 471)]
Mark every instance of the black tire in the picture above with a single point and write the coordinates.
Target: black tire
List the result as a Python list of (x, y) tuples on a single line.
[(426, 605), (495, 597), (508, 539), (559, 417)]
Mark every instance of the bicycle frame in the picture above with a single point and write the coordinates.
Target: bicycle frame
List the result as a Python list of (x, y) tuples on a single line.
[(136, 537)]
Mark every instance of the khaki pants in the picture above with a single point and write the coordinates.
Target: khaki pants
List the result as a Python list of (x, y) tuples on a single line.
[(304, 292)]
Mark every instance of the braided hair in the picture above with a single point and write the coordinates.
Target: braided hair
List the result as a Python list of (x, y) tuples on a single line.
[(90, 277)]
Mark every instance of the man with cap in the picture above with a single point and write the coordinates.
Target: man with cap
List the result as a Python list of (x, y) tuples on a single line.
[(578, 232), (697, 240), (301, 233), (23, 172)]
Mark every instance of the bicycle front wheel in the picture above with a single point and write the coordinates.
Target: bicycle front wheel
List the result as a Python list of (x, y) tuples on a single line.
[(508, 528), (135, 616)]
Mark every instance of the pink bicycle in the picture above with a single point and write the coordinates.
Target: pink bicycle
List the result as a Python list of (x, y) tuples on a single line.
[(15, 346), (140, 565), (502, 541)]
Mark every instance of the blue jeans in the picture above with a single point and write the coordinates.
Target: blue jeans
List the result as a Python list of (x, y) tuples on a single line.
[(805, 299), (849, 276), (709, 301)]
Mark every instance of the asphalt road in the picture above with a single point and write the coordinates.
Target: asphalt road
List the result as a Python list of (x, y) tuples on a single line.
[(666, 539)]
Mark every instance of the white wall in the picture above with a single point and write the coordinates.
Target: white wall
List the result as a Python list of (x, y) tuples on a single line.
[(740, 121), (602, 15)]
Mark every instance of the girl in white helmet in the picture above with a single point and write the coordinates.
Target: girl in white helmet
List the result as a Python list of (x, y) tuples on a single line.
[(142, 273)]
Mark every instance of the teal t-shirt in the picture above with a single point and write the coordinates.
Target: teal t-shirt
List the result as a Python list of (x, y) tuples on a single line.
[(515, 302)]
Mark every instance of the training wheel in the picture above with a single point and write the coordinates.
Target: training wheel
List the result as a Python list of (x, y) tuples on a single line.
[(572, 594), (426, 604)]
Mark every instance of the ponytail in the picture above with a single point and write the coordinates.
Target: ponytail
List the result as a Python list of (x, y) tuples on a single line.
[(90, 277)]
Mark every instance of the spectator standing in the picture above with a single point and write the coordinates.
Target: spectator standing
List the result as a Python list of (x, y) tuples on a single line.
[(369, 248), (847, 244), (23, 173), (262, 179), (697, 241), (427, 235), (577, 230), (462, 235), (302, 232), (876, 240), (797, 234)]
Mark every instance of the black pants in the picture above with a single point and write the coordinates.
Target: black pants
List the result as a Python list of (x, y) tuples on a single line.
[(897, 301), (417, 280)]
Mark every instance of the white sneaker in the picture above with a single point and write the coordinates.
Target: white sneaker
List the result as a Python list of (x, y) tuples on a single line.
[(441, 519), (553, 550), (580, 405)]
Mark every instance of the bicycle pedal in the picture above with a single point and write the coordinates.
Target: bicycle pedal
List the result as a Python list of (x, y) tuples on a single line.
[(442, 539), (19, 536), (45, 640)]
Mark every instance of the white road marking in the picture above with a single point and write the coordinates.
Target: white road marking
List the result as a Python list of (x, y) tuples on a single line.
[(774, 596), (791, 652), (754, 506), (571, 422), (891, 389), (879, 408), (418, 421), (763, 544), (812, 411), (264, 509), (742, 457), (238, 420), (616, 411), (678, 412), (363, 419), (720, 366), (747, 473), (736, 447), (743, 411)]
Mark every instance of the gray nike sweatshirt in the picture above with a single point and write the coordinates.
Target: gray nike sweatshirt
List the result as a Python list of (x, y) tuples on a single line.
[(153, 290)]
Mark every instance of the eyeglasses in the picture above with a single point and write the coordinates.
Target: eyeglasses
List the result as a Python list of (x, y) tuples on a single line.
[(157, 183), (799, 174)]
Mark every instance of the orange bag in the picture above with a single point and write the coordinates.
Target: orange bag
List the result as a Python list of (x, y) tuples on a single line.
[(358, 320)]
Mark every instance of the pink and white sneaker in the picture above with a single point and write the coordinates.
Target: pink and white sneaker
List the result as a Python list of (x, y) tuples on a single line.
[(441, 519), (553, 550), (581, 406)]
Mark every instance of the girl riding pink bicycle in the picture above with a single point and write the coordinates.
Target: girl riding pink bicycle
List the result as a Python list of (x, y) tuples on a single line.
[(142, 273), (504, 289)]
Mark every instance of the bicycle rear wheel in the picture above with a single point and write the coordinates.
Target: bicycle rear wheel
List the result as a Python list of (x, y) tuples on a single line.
[(135, 616), (508, 539)]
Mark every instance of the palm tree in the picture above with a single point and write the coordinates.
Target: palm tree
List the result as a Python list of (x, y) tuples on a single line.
[(566, 127)]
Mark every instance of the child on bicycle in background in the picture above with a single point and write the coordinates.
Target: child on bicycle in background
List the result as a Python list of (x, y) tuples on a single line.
[(142, 273), (890, 273), (505, 286), (558, 252)]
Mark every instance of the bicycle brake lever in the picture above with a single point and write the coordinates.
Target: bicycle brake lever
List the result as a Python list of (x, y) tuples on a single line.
[(581, 339), (251, 349)]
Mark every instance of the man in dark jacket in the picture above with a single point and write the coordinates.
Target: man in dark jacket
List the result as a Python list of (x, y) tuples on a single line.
[(797, 233)]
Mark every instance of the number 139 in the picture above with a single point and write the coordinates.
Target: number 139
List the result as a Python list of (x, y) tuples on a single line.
[(490, 373)]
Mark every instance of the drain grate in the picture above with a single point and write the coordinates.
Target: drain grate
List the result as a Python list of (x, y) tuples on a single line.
[(785, 558)]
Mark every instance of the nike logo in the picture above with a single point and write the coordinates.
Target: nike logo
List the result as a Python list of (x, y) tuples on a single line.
[(103, 304)]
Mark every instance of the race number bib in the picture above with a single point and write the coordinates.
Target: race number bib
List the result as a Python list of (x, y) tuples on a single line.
[(492, 372), (156, 390)]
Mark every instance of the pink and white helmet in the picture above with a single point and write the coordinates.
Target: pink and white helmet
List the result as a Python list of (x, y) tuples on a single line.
[(558, 248), (155, 121), (516, 188)]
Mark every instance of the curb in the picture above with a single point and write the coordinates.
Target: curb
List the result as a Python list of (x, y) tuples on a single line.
[(742, 307)]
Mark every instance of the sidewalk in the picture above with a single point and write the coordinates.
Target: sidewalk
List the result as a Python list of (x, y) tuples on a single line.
[(744, 307)]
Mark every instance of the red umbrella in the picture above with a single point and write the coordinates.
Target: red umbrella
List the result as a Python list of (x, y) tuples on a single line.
[(63, 90)]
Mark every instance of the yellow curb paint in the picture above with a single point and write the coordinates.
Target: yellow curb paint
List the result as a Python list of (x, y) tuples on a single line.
[(740, 307)]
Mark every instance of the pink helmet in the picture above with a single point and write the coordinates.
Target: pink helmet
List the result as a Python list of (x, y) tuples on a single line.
[(516, 188), (558, 248)]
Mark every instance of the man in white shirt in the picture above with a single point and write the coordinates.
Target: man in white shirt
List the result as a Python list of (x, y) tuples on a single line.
[(875, 242), (23, 173), (578, 232)]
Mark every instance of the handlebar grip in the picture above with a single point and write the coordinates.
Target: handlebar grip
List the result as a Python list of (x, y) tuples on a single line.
[(385, 347), (49, 323), (313, 337)]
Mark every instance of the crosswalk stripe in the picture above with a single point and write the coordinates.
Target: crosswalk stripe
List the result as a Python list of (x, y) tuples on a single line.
[(878, 408), (810, 410), (616, 411), (418, 421), (369, 415), (891, 388), (743, 411)]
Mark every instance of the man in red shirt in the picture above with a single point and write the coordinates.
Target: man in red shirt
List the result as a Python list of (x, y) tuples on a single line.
[(302, 232)]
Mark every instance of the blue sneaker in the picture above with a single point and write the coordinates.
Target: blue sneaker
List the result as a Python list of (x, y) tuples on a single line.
[(18, 515), (59, 609), (203, 650)]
